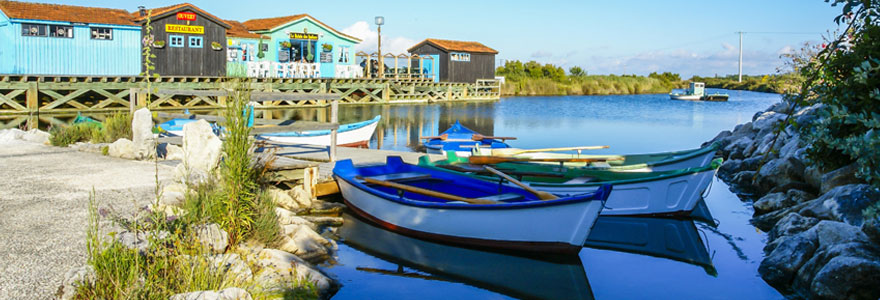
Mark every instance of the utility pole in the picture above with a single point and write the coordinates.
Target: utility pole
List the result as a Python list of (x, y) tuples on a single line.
[(740, 56)]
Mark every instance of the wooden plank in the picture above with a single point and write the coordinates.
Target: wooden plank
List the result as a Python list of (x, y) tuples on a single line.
[(326, 188), (298, 126), (286, 163), (209, 118), (278, 96)]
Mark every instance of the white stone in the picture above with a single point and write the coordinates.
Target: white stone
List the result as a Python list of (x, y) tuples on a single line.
[(201, 147), (286, 217), (283, 199), (174, 152), (212, 237), (281, 269), (142, 134), (304, 242), (9, 135), (301, 196), (172, 198), (235, 268), (36, 136), (232, 293), (74, 278), (122, 148)]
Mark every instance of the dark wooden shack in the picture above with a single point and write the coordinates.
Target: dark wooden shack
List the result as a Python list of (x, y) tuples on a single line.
[(187, 41), (459, 61)]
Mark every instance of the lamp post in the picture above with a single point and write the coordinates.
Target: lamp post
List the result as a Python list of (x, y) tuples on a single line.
[(380, 20)]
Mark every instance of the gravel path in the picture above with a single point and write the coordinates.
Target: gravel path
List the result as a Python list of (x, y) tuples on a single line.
[(44, 195)]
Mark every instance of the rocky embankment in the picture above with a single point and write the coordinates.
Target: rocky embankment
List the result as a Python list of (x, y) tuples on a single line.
[(820, 245)]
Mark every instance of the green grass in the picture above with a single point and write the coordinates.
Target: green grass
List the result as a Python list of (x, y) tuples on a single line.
[(586, 85), (66, 135), (763, 83)]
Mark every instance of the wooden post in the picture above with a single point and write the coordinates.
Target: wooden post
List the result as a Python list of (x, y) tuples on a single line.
[(310, 180), (334, 118), (386, 92), (132, 100), (33, 105)]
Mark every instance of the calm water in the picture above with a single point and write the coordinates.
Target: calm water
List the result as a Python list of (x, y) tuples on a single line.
[(688, 260)]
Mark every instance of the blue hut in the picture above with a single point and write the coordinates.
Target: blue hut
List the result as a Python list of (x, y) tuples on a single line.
[(51, 39)]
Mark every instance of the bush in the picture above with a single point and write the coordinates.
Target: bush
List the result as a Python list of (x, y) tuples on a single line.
[(117, 126), (66, 135)]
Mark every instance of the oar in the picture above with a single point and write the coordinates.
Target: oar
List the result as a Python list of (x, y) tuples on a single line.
[(442, 137), (427, 192), (491, 160), (541, 195), (515, 151), (480, 137)]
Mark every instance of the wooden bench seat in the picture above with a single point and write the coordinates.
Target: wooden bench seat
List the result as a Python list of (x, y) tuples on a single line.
[(401, 177)]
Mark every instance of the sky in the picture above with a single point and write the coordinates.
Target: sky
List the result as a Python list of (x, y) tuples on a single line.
[(689, 37)]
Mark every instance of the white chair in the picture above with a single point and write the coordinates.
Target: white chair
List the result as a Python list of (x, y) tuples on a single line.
[(252, 69)]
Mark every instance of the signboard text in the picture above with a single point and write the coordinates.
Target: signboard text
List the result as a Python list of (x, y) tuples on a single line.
[(184, 29)]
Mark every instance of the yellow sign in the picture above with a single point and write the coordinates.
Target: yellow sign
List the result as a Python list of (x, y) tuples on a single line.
[(303, 36), (184, 29)]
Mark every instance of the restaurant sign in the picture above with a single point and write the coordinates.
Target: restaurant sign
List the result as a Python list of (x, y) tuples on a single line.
[(186, 16), (303, 36), (184, 29)]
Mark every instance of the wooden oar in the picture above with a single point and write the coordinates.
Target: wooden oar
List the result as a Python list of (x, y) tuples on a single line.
[(541, 195), (491, 160), (442, 137), (427, 192), (515, 151), (480, 137)]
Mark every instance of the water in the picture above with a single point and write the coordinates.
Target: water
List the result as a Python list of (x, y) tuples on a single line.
[(705, 262)]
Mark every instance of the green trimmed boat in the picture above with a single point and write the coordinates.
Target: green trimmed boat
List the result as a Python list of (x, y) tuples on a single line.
[(657, 193), (662, 161)]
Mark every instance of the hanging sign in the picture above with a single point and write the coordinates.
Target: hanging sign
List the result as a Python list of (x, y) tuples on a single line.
[(303, 36), (326, 57), (186, 16), (184, 29)]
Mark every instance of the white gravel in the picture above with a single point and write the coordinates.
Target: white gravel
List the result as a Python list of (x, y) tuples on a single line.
[(44, 194)]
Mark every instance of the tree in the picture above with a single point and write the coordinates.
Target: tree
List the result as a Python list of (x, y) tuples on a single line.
[(577, 71)]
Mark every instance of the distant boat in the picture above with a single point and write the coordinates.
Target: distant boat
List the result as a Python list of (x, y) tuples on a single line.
[(697, 92), (448, 207), (462, 140)]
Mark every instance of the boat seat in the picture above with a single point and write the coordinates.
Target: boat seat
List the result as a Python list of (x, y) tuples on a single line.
[(580, 180), (398, 177), (506, 197)]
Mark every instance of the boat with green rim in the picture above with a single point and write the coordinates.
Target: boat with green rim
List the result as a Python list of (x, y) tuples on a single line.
[(661, 161), (657, 193)]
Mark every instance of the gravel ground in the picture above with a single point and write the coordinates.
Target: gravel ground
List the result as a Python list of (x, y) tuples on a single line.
[(44, 196)]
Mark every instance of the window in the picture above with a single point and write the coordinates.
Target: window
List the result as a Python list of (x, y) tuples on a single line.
[(102, 33), (264, 47), (33, 29), (175, 41), (344, 55), (61, 31), (195, 42), (458, 56)]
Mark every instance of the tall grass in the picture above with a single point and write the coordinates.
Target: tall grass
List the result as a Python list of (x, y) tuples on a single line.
[(66, 135), (586, 85)]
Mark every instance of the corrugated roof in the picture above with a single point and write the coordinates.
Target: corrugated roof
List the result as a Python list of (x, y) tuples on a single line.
[(463, 46), (272, 23), (161, 11), (237, 29), (65, 13)]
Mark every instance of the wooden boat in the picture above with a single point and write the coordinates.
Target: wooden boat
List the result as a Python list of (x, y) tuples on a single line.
[(511, 274), (348, 135), (696, 92), (657, 193), (448, 207), (662, 161), (462, 140)]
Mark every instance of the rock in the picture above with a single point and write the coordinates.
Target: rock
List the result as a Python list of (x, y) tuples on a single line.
[(9, 135), (770, 202), (813, 177), (721, 139), (280, 270), (871, 228), (791, 224), (834, 233), (779, 171), (302, 197), (751, 163), (791, 186), (36, 136), (174, 152), (201, 149), (766, 122), (122, 148), (75, 278), (170, 198), (286, 217), (322, 221), (212, 237), (235, 268), (808, 115), (790, 147), (845, 277), (799, 196), (842, 176), (805, 276), (284, 200), (743, 182), (843, 203), (744, 129), (232, 293), (760, 146), (325, 207), (780, 107), (141, 240), (305, 243), (781, 266), (729, 168), (142, 134), (735, 149)]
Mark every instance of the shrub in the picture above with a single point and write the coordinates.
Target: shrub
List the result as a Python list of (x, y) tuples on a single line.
[(117, 126), (66, 135)]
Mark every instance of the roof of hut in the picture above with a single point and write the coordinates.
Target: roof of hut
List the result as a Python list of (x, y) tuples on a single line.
[(237, 29), (463, 46), (162, 11), (272, 23), (65, 13)]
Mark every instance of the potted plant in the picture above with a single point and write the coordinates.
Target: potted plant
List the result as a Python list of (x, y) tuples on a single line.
[(158, 44), (328, 47), (216, 46), (285, 45)]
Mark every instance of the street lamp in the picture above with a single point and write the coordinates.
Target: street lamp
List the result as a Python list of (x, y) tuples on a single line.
[(380, 20)]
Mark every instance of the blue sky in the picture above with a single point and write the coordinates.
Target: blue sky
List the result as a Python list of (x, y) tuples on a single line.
[(604, 37)]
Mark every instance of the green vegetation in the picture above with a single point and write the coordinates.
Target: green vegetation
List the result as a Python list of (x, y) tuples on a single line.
[(765, 83), (532, 79), (115, 127)]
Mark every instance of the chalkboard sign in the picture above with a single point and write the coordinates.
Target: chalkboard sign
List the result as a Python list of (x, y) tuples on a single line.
[(283, 56), (326, 57)]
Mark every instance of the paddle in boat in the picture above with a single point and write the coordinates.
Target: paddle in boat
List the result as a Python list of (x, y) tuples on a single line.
[(697, 92), (657, 193), (432, 204), (462, 140), (662, 161)]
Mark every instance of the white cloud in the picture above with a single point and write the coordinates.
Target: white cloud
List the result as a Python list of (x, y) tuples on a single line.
[(369, 37), (542, 54), (785, 50)]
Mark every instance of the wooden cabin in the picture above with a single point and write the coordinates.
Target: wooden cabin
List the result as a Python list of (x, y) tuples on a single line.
[(458, 61), (302, 38), (187, 40), (52, 39)]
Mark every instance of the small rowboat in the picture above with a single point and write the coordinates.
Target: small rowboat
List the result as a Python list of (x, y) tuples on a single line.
[(462, 140), (658, 193), (662, 161), (448, 207)]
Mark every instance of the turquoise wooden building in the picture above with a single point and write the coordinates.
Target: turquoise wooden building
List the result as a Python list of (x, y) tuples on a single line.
[(302, 38), (50, 39), (242, 46)]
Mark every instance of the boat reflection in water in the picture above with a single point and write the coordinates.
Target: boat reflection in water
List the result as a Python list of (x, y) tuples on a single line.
[(673, 238), (510, 274)]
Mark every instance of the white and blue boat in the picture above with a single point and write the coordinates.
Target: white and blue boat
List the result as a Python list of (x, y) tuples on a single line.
[(462, 141), (448, 207)]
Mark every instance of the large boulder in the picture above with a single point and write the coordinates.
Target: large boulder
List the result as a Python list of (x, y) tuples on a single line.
[(721, 138), (813, 177), (202, 150), (743, 182), (780, 171), (846, 277), (871, 228), (286, 217), (843, 203), (808, 114), (791, 224), (842, 176), (729, 168), (75, 278), (770, 202), (766, 122), (174, 152), (142, 134), (36, 136), (211, 237), (281, 270), (736, 149), (791, 252), (232, 293), (9, 135), (303, 241), (122, 148), (283, 199), (231, 264)]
